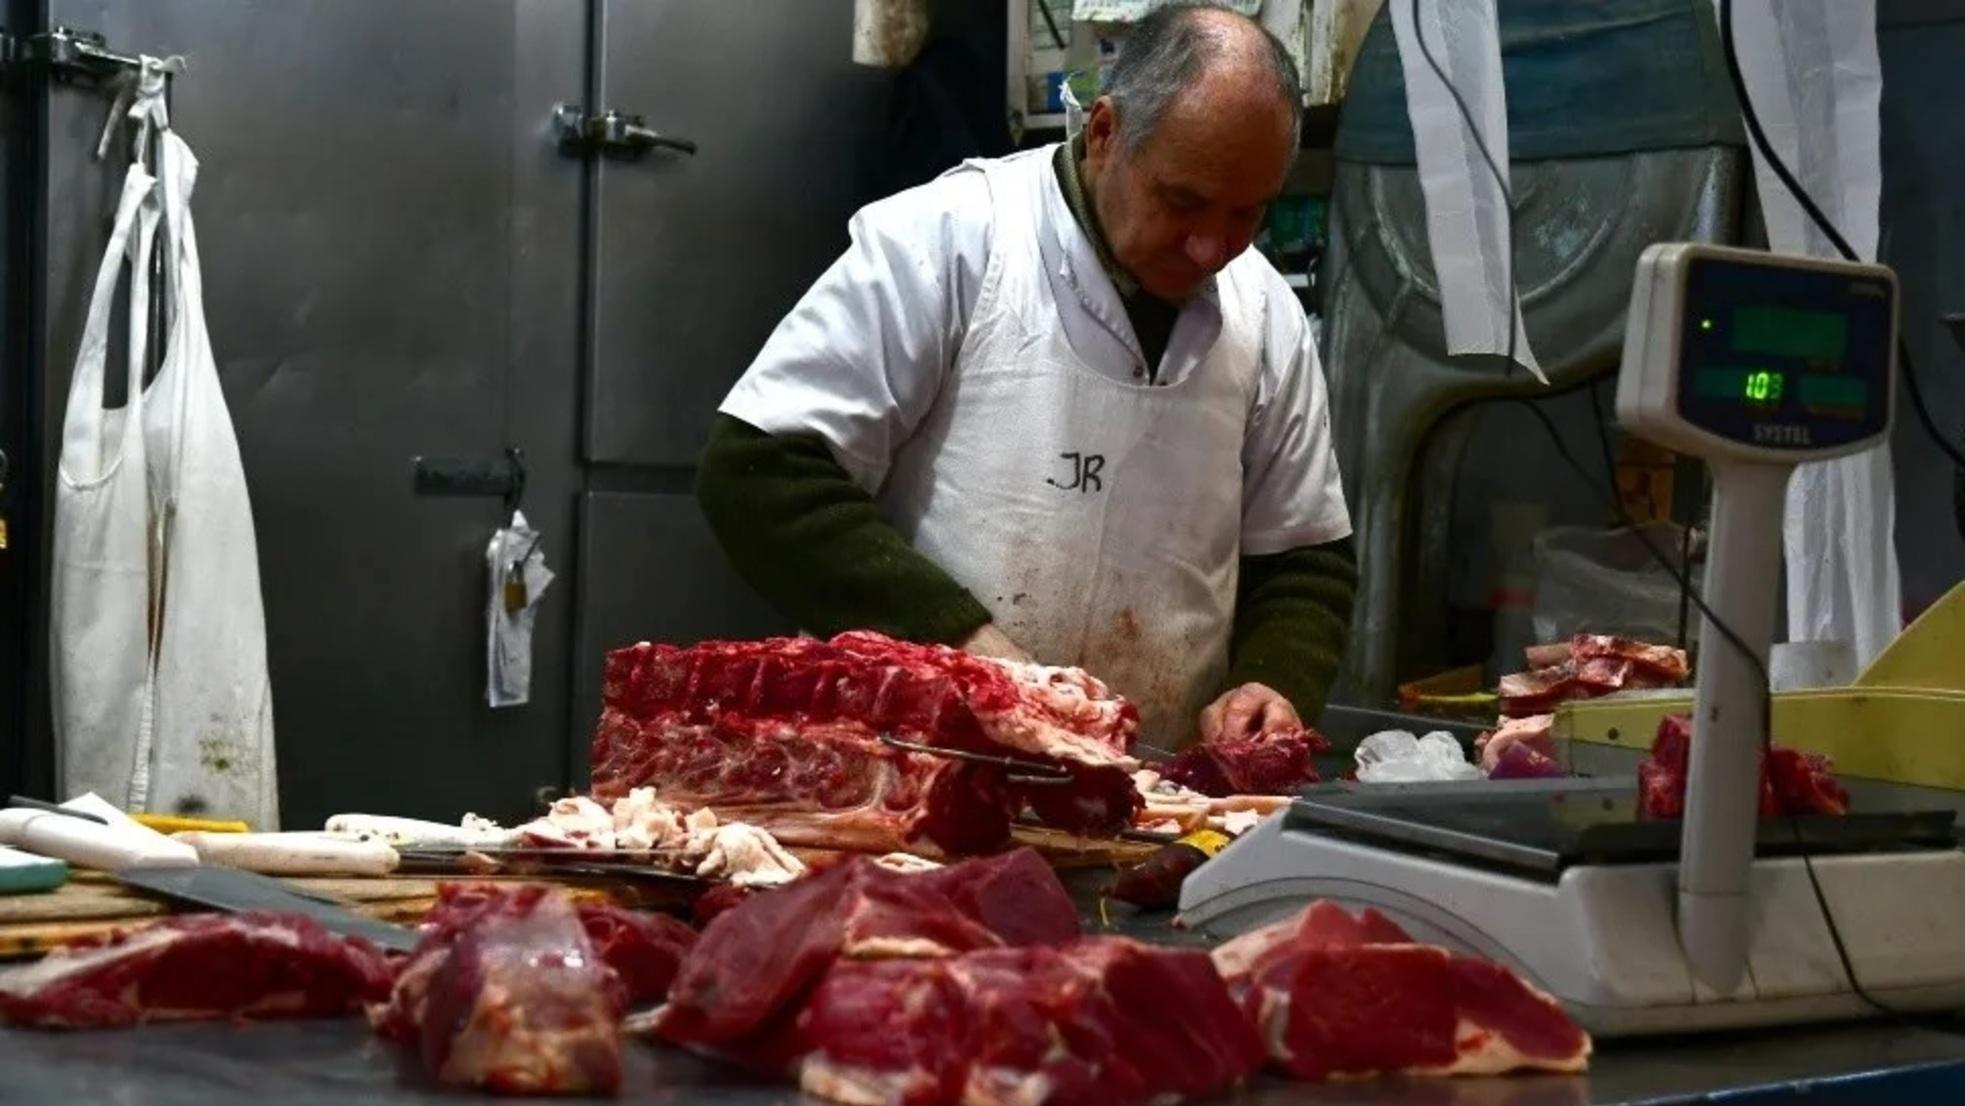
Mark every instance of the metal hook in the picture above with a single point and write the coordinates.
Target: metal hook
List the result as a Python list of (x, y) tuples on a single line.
[(515, 492), (1028, 772)]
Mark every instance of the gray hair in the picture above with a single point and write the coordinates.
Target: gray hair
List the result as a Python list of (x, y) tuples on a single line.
[(1167, 51)]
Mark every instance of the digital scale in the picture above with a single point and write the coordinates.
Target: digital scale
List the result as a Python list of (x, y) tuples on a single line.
[(1755, 362)]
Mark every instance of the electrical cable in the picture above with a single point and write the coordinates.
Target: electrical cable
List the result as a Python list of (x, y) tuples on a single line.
[(1683, 577)]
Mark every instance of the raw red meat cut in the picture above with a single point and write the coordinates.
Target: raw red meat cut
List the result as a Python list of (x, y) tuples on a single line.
[(1249, 764), (505, 991), (759, 959), (1525, 761), (1536, 730), (1659, 661), (784, 733), (643, 949), (1791, 782), (719, 898), (1097, 802), (1591, 665), (197, 967), (1804, 783), (1014, 895), (1331, 994), (824, 785), (1100, 1020)]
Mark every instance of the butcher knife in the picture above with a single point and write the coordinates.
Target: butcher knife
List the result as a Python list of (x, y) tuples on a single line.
[(237, 891)]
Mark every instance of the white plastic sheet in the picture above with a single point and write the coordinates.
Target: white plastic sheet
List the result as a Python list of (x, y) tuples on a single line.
[(1811, 69), (1467, 216), (1396, 756)]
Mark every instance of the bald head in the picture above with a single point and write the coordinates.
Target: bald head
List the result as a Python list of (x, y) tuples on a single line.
[(1205, 58)]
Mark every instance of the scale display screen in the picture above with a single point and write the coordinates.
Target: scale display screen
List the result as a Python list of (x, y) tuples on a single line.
[(1784, 358)]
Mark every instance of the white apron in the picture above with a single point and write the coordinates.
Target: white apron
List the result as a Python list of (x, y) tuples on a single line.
[(1098, 519), (206, 743), (99, 582)]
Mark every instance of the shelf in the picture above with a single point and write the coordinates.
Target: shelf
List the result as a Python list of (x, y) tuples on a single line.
[(1044, 121), (1297, 280)]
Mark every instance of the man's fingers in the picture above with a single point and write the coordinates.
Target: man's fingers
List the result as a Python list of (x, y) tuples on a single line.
[(1278, 716), (1240, 716)]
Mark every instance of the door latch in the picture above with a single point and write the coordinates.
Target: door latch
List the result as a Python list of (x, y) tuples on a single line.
[(73, 55), (611, 134)]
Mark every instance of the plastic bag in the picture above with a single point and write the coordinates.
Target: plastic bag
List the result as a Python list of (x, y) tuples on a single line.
[(1396, 756), (1606, 582)]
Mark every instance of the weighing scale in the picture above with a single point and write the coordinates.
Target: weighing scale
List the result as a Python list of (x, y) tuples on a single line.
[(1755, 362)]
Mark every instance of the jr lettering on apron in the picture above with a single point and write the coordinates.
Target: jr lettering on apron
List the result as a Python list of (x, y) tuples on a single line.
[(1097, 517)]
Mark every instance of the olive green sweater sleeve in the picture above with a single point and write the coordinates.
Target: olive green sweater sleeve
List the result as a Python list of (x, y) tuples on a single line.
[(1292, 613), (813, 543)]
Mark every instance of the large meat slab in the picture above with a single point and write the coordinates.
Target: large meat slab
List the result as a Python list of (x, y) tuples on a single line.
[(968, 984), (785, 733), (1100, 1021), (760, 958)]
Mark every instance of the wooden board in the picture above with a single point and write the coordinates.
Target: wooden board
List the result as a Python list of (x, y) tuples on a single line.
[(1065, 851), (93, 904)]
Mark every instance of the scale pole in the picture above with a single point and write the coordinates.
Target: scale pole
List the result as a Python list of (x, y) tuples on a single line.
[(1723, 792)]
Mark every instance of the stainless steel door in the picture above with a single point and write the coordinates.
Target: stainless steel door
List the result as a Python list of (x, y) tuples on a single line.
[(695, 260), (391, 246)]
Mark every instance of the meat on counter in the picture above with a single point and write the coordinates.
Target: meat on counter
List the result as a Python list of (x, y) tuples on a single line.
[(1791, 782), (786, 734), (197, 967), (1338, 995)]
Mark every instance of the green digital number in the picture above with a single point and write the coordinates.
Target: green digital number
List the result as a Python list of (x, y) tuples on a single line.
[(1763, 386)]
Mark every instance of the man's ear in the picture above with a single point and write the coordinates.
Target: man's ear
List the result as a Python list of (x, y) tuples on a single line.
[(1101, 133)]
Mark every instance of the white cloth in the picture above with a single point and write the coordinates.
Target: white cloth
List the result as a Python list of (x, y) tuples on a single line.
[(1128, 11), (99, 584), (970, 363), (1812, 71), (516, 568), (1467, 216), (204, 737)]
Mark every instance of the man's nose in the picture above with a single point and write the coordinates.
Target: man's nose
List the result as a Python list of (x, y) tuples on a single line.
[(1209, 251)]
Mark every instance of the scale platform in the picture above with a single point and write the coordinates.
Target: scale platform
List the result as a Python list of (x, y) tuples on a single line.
[(1560, 880)]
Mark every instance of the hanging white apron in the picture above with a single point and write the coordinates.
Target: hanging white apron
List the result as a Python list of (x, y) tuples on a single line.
[(159, 641), (99, 581), (212, 749), (1098, 519)]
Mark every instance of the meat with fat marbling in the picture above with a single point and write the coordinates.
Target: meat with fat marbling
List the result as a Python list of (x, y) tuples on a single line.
[(197, 967), (1100, 1021), (506, 991), (1332, 994), (785, 734), (758, 959)]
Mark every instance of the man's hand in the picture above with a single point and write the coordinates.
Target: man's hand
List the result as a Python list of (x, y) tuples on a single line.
[(992, 642), (1248, 710)]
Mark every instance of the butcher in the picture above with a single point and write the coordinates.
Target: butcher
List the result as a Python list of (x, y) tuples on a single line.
[(1052, 407)]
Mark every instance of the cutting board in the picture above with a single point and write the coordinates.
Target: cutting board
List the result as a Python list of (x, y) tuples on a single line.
[(94, 905)]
